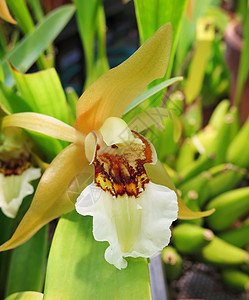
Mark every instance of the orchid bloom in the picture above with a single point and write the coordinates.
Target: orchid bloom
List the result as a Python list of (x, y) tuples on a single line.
[(131, 197), (16, 172)]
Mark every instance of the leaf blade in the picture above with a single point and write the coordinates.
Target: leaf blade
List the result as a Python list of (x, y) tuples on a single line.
[(91, 276), (37, 41), (32, 255)]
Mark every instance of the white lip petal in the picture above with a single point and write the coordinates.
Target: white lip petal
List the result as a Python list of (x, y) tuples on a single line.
[(134, 227), (14, 188)]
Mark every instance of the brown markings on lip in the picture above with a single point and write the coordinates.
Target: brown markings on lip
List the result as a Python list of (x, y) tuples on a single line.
[(15, 166), (123, 173), (147, 149)]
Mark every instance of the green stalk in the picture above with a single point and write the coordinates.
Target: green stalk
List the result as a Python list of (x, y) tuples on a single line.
[(36, 9), (3, 43), (101, 35)]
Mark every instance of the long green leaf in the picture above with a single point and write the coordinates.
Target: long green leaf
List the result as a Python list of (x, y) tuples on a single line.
[(205, 37), (91, 24), (244, 61), (25, 296), (77, 268), (153, 14), (86, 13), (152, 91), (43, 92), (5, 233), (26, 24), (187, 34), (37, 10), (12, 102), (21, 15), (29, 49), (27, 267)]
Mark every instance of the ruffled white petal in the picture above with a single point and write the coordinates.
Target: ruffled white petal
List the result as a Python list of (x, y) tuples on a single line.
[(14, 188), (135, 227)]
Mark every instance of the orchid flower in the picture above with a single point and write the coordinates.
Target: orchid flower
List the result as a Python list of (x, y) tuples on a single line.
[(16, 172), (130, 197)]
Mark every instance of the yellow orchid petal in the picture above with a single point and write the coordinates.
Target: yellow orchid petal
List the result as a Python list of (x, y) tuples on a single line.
[(44, 124), (4, 12), (159, 175), (55, 193), (113, 91)]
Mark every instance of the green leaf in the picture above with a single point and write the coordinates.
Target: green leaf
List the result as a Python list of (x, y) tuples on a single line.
[(192, 119), (3, 43), (91, 24), (79, 270), (11, 101), (21, 15), (1, 72), (205, 37), (37, 10), (86, 12), (43, 92), (27, 267), (5, 233), (72, 99), (25, 296), (26, 24), (244, 61), (220, 18), (153, 14), (101, 64), (188, 34), (30, 48), (152, 91)]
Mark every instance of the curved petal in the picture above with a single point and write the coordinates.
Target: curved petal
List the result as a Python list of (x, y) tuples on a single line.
[(159, 175), (51, 199), (4, 12), (115, 131), (14, 188), (90, 146), (113, 91), (44, 124), (134, 227)]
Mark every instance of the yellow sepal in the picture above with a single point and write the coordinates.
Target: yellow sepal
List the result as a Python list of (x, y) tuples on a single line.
[(114, 90)]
